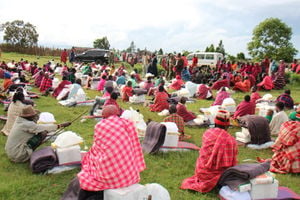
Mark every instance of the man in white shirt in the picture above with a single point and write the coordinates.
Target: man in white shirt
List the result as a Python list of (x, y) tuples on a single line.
[(278, 119)]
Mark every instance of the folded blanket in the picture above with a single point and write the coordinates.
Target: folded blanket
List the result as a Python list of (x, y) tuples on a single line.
[(258, 127), (241, 174), (43, 159), (154, 138)]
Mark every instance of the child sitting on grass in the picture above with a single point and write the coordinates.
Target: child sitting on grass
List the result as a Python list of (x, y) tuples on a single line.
[(269, 115)]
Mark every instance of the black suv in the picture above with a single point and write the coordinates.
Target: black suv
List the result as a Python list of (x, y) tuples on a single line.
[(99, 56)]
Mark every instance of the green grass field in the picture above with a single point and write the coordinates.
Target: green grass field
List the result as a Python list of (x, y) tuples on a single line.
[(168, 169)]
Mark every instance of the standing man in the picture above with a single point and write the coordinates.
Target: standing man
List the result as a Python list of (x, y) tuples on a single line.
[(171, 63), (179, 64), (72, 55), (64, 56), (153, 66), (145, 62)]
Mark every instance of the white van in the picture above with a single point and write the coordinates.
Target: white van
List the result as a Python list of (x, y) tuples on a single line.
[(205, 58)]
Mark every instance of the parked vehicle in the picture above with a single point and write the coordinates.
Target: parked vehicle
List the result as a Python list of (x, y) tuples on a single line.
[(205, 58), (99, 56)]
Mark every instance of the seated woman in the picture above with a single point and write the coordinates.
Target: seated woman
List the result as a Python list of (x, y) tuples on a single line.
[(174, 117), (74, 89), (132, 79), (113, 101), (218, 152), (287, 149), (278, 118), (46, 83), (115, 159), (266, 84), (38, 77), (14, 111), (160, 101), (61, 86), (127, 91), (221, 95), (220, 83), (183, 112), (204, 92), (7, 81), (185, 74), (121, 80), (101, 83), (254, 94), (137, 76), (148, 84), (286, 99), (243, 86), (177, 83), (295, 116), (246, 107), (279, 81)]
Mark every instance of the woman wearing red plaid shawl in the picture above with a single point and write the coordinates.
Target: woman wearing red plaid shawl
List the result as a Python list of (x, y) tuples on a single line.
[(286, 158), (218, 152), (115, 159), (46, 83)]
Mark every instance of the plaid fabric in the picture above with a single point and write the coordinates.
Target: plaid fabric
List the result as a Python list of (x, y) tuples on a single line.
[(218, 152), (286, 158), (115, 160), (45, 84), (287, 100), (177, 120)]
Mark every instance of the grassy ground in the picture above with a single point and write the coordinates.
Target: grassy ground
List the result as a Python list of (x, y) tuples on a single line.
[(167, 169)]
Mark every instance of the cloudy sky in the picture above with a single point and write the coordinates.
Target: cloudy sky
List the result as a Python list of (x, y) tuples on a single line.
[(169, 24)]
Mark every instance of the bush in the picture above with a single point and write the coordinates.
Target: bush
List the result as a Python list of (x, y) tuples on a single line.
[(295, 78)]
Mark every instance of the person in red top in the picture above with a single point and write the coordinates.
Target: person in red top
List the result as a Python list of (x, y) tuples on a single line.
[(115, 159), (127, 91), (220, 83), (266, 84), (294, 65), (160, 101), (183, 112), (64, 56), (246, 107), (61, 86), (177, 83), (218, 152), (46, 83), (195, 61), (254, 95), (113, 101), (243, 86)]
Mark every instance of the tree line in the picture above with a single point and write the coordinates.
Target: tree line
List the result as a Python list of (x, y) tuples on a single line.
[(270, 38)]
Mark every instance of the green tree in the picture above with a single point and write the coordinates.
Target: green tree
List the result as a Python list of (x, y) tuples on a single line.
[(272, 38), (220, 48), (211, 48), (131, 48), (102, 43), (160, 52), (241, 56), (231, 58), (19, 33)]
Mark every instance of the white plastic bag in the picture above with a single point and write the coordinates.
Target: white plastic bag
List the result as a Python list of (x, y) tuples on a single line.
[(67, 139)]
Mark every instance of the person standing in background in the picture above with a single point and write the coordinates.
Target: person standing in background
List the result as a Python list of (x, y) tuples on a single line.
[(64, 56), (72, 55)]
